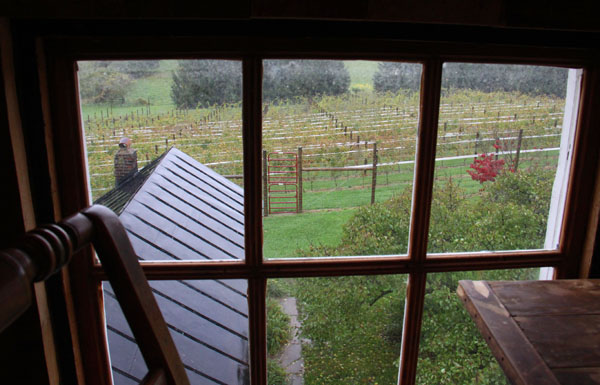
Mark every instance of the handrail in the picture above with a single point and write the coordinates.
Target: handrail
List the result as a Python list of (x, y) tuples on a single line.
[(45, 250)]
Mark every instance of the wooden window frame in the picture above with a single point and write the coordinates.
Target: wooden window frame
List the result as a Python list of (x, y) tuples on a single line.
[(57, 56)]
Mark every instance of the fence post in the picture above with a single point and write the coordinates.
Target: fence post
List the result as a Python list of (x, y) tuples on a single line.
[(518, 149), (265, 186), (374, 182), (299, 209)]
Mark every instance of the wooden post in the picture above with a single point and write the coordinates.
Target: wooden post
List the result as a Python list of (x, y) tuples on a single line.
[(265, 186), (476, 142), (497, 149), (374, 182), (299, 207), (518, 149)]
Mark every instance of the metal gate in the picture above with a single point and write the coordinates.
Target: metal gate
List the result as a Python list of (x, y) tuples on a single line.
[(282, 180)]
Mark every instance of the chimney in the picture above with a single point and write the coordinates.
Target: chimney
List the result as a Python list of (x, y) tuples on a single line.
[(125, 161)]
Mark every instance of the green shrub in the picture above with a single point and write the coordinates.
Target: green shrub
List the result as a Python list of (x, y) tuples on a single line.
[(99, 83), (203, 83), (275, 374), (109, 81), (209, 82), (392, 77), (532, 80), (278, 327), (288, 79), (355, 325)]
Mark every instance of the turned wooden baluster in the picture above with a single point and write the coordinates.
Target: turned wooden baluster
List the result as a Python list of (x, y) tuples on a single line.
[(47, 249)]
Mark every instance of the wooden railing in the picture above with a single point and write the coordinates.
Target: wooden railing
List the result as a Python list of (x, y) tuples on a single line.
[(45, 250)]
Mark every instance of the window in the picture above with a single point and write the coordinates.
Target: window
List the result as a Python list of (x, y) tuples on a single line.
[(409, 273)]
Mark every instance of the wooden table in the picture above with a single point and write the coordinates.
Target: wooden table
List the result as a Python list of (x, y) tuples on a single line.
[(541, 332)]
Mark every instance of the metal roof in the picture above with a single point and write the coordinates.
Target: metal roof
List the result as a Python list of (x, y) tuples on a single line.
[(178, 209)]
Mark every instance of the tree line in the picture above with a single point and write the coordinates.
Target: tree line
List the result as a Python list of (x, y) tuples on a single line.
[(204, 83), (526, 79)]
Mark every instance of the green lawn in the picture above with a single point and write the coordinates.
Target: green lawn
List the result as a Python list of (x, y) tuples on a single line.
[(155, 88), (286, 233)]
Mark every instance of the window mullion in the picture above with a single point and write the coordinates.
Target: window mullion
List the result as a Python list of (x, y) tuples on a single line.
[(425, 159), (252, 144), (417, 250)]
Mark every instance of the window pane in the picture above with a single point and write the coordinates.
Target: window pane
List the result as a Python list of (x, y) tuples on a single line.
[(208, 320), (452, 350), (341, 330), (339, 148), (164, 151), (503, 156)]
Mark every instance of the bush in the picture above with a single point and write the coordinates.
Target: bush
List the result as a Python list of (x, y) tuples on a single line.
[(202, 83), (136, 69), (287, 79), (526, 79), (392, 77), (100, 83), (278, 327), (355, 327), (275, 374), (209, 82), (346, 321), (108, 81)]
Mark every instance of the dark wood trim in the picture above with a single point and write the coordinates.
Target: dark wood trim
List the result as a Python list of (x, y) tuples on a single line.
[(238, 47), (67, 166), (411, 331), (578, 206), (257, 328), (252, 144), (591, 241), (431, 83), (72, 195), (346, 266), (253, 239)]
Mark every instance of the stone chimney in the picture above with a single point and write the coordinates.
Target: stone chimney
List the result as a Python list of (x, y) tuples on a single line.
[(125, 161)]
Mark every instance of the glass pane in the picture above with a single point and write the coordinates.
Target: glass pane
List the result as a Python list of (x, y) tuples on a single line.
[(208, 320), (503, 157), (164, 151), (452, 350), (339, 330), (339, 148)]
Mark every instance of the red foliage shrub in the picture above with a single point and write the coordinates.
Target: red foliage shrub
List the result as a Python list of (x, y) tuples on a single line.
[(485, 168)]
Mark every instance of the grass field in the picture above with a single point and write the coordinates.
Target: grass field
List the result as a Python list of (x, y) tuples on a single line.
[(286, 233)]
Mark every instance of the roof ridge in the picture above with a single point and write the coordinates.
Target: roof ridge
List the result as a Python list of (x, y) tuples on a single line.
[(135, 181)]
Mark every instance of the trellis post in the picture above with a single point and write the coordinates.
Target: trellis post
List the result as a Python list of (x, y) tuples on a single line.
[(518, 149), (374, 182), (299, 210), (265, 186)]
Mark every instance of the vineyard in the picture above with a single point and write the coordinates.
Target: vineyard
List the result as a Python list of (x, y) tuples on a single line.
[(337, 132)]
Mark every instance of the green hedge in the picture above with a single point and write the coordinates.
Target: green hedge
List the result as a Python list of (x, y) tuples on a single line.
[(527, 79)]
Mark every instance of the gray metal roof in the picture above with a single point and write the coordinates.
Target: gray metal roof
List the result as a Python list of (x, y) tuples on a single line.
[(182, 210)]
